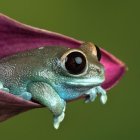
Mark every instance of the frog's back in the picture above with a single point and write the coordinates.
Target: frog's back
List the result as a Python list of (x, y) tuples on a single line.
[(18, 68)]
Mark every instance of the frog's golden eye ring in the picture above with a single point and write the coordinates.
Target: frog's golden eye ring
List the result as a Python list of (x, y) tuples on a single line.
[(74, 62), (99, 54)]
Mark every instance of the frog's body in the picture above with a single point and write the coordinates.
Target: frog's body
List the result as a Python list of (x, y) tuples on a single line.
[(41, 75)]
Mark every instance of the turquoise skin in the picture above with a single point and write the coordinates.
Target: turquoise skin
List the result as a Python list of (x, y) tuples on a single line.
[(41, 75)]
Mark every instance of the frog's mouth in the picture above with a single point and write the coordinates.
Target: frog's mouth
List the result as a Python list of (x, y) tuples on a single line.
[(86, 82), (16, 37)]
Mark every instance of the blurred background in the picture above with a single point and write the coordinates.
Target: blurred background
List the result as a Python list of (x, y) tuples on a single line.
[(114, 25)]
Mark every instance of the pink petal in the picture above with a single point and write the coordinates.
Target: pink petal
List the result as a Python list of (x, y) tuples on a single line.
[(16, 37), (11, 105), (114, 69)]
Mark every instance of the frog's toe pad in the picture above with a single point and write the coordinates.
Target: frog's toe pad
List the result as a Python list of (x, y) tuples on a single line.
[(58, 120), (3, 88), (103, 99), (25, 95)]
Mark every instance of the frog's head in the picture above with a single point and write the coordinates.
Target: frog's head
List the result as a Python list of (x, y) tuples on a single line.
[(80, 69), (82, 66)]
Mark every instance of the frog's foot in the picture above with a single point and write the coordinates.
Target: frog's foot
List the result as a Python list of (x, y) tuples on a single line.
[(3, 88), (58, 119), (25, 95), (92, 94), (47, 96)]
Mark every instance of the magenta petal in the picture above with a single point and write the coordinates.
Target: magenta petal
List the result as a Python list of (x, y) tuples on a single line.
[(17, 37), (11, 105), (114, 69)]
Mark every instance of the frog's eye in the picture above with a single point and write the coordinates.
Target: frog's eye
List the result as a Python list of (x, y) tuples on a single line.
[(75, 62), (99, 55)]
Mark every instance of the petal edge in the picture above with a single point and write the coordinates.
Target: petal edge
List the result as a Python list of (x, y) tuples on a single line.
[(114, 69)]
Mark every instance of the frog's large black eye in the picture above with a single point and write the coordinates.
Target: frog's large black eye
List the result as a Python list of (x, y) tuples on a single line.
[(99, 55), (75, 63)]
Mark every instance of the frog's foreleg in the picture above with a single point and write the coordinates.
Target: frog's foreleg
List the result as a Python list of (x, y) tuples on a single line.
[(92, 94), (47, 96)]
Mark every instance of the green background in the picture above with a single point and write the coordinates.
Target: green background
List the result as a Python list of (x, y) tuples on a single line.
[(111, 24)]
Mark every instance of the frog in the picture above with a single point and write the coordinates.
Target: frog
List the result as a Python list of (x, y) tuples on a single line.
[(53, 75)]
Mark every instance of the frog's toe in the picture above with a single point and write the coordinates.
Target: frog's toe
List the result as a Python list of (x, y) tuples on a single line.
[(25, 95), (58, 120), (103, 97), (1, 85), (91, 95), (3, 88)]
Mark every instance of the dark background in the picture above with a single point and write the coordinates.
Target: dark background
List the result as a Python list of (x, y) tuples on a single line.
[(114, 25)]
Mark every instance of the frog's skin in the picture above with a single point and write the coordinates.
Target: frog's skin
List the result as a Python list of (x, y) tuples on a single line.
[(40, 74)]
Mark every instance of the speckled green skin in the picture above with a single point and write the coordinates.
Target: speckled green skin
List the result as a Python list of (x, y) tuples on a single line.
[(40, 73)]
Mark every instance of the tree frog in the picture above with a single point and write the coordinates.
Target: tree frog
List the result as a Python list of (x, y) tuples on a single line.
[(54, 75)]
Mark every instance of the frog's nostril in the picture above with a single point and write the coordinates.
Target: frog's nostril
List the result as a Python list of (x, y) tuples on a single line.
[(99, 71)]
